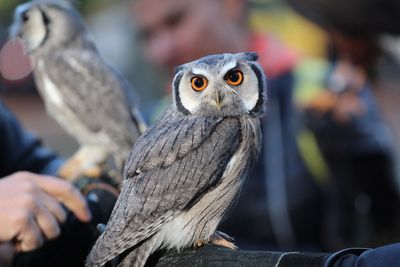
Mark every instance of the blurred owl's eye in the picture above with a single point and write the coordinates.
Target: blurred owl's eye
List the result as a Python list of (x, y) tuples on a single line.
[(25, 16), (234, 77), (199, 83)]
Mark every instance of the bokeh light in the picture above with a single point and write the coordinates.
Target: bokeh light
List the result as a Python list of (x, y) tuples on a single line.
[(15, 64)]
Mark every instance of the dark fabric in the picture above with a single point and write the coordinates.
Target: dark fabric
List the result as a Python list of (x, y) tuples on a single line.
[(352, 17), (346, 257), (211, 255), (73, 245), (383, 256), (21, 150), (218, 256), (388, 255), (70, 249)]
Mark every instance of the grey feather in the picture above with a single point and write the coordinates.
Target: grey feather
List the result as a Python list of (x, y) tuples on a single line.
[(138, 256), (173, 175)]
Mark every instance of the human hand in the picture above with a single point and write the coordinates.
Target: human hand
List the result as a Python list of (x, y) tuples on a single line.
[(31, 211)]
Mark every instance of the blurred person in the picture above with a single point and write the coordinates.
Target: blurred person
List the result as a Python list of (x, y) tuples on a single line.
[(355, 142), (282, 206)]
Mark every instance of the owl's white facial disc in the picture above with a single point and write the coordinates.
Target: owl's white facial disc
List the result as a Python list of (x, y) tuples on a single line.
[(30, 25), (234, 84)]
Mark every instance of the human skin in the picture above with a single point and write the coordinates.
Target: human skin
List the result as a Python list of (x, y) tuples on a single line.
[(174, 32), (31, 210)]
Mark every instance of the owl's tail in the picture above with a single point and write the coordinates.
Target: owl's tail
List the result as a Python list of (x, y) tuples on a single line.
[(138, 256)]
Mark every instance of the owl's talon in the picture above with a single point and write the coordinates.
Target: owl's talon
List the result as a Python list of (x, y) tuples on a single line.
[(199, 243), (222, 239), (220, 234)]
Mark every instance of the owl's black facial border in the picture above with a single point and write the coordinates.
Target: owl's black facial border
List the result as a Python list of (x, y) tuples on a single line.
[(178, 69), (45, 18), (260, 102), (178, 100), (46, 22)]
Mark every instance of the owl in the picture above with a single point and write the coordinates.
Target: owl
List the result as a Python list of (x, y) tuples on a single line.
[(186, 170), (83, 93)]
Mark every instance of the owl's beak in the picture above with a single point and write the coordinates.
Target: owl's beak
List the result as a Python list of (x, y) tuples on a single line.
[(218, 99)]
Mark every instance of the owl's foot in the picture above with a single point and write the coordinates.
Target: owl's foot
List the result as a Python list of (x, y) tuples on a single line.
[(70, 170), (74, 168), (222, 239), (199, 243), (93, 172), (219, 239)]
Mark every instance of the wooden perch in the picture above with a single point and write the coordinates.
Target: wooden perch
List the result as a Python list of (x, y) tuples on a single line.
[(217, 256)]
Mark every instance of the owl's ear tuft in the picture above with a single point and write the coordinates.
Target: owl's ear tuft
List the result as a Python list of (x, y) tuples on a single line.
[(250, 56), (178, 69)]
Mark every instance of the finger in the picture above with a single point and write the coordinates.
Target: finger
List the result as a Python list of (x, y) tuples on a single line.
[(66, 193), (30, 237), (47, 222), (54, 207)]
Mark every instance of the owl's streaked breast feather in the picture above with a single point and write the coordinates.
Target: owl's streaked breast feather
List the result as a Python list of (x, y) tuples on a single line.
[(159, 190), (186, 171)]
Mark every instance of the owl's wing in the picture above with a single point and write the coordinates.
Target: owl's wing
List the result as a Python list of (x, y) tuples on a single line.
[(94, 91), (171, 166)]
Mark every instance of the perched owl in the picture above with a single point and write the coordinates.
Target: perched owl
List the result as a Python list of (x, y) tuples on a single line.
[(185, 170), (84, 94)]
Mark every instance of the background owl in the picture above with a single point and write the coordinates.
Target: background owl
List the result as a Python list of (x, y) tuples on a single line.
[(84, 94), (186, 169)]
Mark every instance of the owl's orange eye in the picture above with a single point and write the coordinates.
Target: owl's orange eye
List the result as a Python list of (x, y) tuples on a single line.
[(234, 77), (199, 83)]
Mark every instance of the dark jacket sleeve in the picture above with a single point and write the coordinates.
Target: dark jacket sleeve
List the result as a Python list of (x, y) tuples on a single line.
[(21, 150), (388, 255)]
